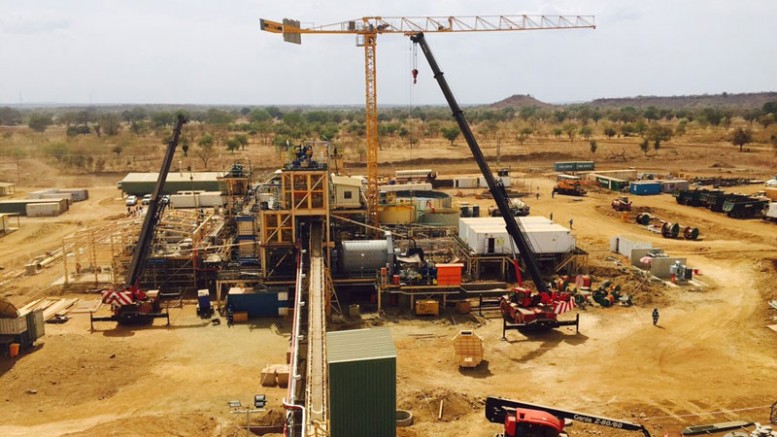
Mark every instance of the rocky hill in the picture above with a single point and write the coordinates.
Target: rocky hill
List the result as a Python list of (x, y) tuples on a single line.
[(519, 101), (736, 101)]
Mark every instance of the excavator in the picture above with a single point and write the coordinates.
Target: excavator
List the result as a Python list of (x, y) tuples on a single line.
[(522, 309), (131, 305)]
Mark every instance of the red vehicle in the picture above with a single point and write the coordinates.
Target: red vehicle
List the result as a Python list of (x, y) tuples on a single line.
[(130, 304), (521, 419)]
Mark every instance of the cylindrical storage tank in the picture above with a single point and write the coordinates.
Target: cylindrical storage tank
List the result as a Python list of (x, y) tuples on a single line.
[(365, 255), (442, 217), (397, 214)]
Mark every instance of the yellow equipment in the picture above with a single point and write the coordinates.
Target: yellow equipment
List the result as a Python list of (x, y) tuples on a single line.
[(367, 29)]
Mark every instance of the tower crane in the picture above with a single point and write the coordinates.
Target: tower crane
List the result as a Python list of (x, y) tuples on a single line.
[(367, 30)]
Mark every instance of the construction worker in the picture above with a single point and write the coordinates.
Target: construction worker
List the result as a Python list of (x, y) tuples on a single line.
[(570, 223), (655, 316)]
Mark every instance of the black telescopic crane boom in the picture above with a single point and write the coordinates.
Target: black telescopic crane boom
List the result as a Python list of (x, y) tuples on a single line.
[(496, 187), (153, 213)]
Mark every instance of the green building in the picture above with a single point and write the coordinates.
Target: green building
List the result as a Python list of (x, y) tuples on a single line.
[(362, 383)]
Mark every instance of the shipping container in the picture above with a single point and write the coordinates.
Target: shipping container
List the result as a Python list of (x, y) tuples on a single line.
[(66, 196), (466, 182), (624, 244), (362, 383), (50, 209), (79, 194), (257, 303), (574, 166), (672, 185), (13, 326), (644, 188), (19, 206), (36, 325), (39, 193), (418, 186), (196, 199)]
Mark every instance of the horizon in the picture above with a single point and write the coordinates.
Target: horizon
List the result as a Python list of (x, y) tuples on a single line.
[(43, 105)]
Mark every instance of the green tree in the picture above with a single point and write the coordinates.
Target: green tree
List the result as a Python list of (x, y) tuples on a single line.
[(206, 150), (644, 146), (586, 132), (741, 137), (10, 116), (242, 140), (766, 120), (117, 149), (259, 115), (232, 145), (557, 132), (571, 130), (450, 133), (110, 123), (610, 132), (39, 122), (525, 134), (594, 146)]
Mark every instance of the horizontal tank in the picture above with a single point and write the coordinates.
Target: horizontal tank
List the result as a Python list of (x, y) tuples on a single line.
[(365, 255)]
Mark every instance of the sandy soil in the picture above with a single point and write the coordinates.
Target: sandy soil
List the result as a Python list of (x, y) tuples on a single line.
[(712, 358)]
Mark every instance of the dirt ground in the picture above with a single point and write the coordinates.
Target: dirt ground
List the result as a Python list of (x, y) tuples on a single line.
[(712, 359)]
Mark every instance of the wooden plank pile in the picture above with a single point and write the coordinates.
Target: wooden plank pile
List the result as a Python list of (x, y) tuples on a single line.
[(51, 306)]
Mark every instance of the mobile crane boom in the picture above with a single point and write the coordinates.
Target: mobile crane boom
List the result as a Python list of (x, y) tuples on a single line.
[(140, 254), (498, 410), (496, 187)]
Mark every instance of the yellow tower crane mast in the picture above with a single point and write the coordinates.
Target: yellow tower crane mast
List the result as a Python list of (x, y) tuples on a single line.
[(367, 30)]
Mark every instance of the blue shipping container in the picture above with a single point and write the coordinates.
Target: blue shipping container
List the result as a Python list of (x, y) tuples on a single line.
[(643, 188), (261, 304)]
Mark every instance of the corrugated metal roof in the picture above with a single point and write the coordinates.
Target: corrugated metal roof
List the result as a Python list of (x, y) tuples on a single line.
[(174, 176), (359, 345)]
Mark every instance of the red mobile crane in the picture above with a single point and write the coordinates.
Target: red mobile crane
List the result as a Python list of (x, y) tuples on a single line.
[(521, 310), (522, 419), (130, 304)]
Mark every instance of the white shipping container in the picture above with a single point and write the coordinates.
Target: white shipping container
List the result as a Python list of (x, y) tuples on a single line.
[(466, 182), (417, 186), (79, 194), (624, 244), (38, 194), (13, 326), (47, 209), (506, 181), (66, 196), (210, 199)]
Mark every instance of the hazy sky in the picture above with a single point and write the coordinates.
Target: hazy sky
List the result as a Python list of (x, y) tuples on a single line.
[(213, 52)]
